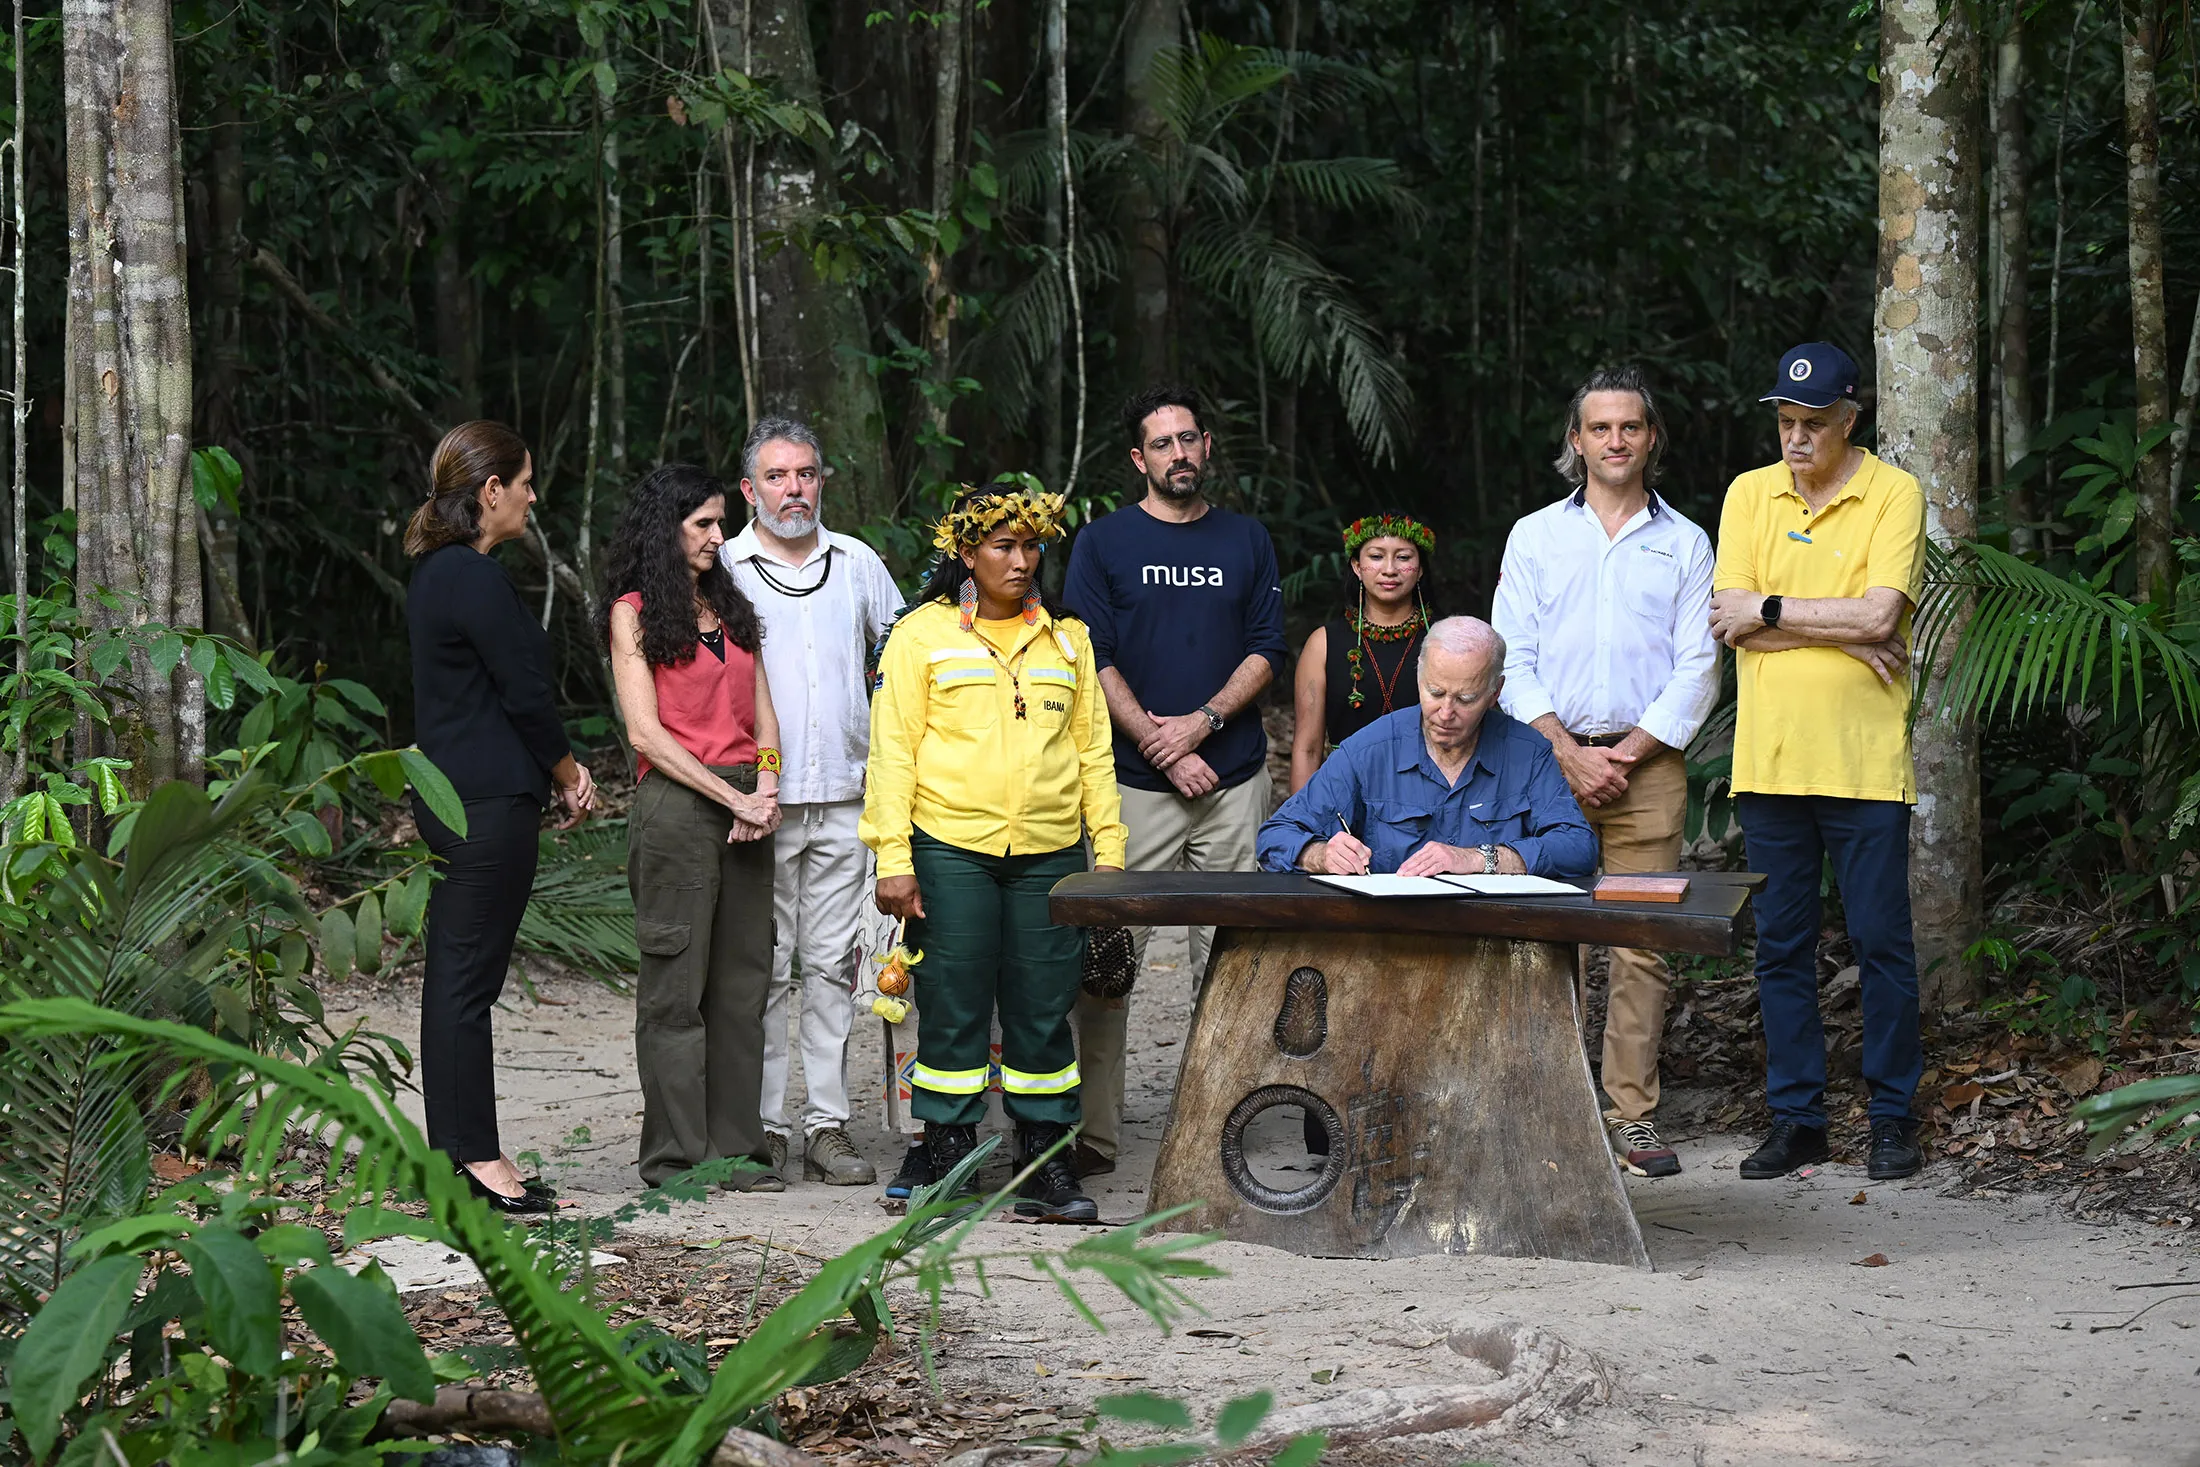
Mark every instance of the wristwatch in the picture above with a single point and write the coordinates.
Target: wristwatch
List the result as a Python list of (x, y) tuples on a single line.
[(1214, 719), (1489, 858), (1771, 611)]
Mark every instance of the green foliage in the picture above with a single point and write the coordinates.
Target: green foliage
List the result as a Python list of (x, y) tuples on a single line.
[(605, 1404), (581, 910)]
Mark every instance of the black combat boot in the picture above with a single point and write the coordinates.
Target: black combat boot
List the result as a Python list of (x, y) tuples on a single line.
[(1050, 1193)]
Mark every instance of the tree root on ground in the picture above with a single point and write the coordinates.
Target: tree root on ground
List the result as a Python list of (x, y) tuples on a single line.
[(1539, 1378)]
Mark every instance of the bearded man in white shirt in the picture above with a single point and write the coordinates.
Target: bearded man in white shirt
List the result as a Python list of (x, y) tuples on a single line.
[(824, 599), (1602, 604)]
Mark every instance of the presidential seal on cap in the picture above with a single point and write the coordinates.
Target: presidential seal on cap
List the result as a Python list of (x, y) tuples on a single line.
[(1817, 374)]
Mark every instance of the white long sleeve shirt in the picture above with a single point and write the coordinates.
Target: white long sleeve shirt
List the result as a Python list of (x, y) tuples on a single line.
[(1610, 632), (820, 619)]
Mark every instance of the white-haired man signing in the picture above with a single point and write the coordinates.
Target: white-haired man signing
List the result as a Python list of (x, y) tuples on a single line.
[(1453, 786)]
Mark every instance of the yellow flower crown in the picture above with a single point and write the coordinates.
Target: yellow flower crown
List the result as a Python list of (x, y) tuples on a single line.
[(1020, 509)]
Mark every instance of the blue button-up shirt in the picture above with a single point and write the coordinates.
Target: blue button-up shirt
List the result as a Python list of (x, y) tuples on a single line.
[(1389, 791)]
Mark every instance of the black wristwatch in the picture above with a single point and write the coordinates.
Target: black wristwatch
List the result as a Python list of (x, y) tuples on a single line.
[(1771, 611), (1214, 719)]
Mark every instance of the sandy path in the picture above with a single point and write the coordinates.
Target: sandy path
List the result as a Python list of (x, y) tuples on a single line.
[(1758, 1339)]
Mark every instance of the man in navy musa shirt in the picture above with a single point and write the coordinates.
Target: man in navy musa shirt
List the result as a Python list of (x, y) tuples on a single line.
[(1454, 787), (1186, 612)]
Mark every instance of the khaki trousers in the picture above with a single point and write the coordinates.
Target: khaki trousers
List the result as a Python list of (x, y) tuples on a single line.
[(1167, 833), (703, 922), (1640, 831)]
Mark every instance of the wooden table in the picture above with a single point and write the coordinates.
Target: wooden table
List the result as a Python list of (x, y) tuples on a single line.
[(1436, 1040)]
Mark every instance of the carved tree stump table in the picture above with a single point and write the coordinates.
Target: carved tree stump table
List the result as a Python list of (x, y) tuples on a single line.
[(1437, 1041)]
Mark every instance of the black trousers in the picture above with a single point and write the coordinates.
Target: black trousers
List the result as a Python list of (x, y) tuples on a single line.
[(473, 918)]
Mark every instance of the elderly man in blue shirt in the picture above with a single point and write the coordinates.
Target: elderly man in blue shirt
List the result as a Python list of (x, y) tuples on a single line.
[(1452, 787)]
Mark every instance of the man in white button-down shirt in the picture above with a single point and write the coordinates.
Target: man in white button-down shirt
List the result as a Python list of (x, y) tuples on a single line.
[(1604, 603), (824, 600)]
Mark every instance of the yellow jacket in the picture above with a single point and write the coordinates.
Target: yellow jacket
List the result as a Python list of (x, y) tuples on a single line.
[(950, 757)]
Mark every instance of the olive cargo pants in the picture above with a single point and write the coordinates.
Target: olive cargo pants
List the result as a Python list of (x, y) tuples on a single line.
[(989, 944), (703, 922)]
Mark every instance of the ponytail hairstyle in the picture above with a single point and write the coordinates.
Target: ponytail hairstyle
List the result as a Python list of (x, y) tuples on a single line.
[(644, 556), (469, 456)]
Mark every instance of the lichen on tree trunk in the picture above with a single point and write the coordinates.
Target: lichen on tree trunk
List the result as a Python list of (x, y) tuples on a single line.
[(1928, 319), (126, 432), (2154, 527)]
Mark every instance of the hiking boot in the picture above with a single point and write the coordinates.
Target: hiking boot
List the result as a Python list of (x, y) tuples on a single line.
[(1895, 1150), (916, 1171), (830, 1157), (1050, 1193), (773, 1177), (1789, 1145), (1640, 1150), (948, 1146)]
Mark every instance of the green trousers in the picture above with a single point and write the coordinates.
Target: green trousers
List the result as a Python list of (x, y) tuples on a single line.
[(990, 947), (703, 921)]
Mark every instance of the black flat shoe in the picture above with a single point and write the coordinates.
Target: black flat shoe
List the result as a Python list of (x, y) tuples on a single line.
[(529, 1203), (1895, 1151), (1790, 1145)]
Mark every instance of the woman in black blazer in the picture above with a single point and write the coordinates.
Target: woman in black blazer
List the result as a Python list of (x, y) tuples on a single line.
[(487, 716)]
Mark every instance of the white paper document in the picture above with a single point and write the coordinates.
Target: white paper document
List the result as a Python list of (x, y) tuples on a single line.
[(1512, 885), (1392, 886), (1450, 886)]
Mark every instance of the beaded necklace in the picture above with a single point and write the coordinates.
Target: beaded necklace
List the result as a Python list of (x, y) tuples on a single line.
[(1364, 631)]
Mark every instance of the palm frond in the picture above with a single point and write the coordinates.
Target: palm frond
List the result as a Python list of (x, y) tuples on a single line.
[(2025, 636), (129, 937), (1362, 184), (581, 910), (1305, 323)]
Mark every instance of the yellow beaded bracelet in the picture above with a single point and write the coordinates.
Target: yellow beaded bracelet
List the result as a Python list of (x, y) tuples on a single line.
[(767, 761)]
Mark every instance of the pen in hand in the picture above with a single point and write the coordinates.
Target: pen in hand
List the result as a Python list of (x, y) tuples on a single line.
[(1345, 827)]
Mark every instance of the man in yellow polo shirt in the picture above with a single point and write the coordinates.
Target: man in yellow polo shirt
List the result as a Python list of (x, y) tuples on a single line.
[(1820, 560)]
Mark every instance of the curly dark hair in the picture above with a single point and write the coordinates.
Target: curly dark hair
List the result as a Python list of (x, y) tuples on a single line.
[(944, 582), (644, 555), (1348, 584), (1143, 405)]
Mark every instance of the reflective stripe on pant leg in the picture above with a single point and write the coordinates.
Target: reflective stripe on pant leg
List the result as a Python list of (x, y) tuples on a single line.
[(1023, 1082), (949, 1082)]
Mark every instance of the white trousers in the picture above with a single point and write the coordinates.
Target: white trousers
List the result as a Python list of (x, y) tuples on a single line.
[(817, 893)]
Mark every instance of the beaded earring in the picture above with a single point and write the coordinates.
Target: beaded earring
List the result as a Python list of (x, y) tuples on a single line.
[(1031, 607), (967, 601)]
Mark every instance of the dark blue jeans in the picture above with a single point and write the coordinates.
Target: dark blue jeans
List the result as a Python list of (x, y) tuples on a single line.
[(1789, 837)]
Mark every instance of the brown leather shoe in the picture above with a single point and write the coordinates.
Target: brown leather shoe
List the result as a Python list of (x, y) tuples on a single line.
[(1086, 1162)]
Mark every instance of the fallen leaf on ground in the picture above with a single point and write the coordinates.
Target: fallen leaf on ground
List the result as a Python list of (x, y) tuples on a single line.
[(1858, 1200), (1955, 1097), (1877, 1260), (173, 1168), (2081, 1077)]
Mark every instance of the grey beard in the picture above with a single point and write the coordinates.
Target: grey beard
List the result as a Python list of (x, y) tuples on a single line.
[(790, 527)]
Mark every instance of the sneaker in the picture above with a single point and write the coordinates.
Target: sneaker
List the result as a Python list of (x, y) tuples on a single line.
[(948, 1146), (1789, 1145), (1086, 1162), (1895, 1150), (1640, 1150), (1050, 1193), (916, 1171)]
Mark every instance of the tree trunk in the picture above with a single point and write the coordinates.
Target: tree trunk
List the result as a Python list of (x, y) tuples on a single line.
[(1054, 44), (614, 272), (937, 391), (2188, 407), (126, 431), (1152, 30), (2156, 560), (14, 771), (457, 321), (812, 343), (1928, 423), (217, 420), (2020, 505)]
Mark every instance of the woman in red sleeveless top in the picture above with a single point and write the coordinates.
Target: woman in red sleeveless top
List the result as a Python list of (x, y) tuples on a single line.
[(684, 653)]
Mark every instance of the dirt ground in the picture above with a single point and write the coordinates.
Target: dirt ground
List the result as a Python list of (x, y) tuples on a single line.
[(2000, 1329)]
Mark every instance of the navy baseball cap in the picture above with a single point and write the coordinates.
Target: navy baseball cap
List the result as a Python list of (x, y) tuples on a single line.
[(1816, 374)]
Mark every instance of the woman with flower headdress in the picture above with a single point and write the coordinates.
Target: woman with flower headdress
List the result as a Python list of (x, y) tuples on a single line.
[(991, 759), (1357, 666)]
